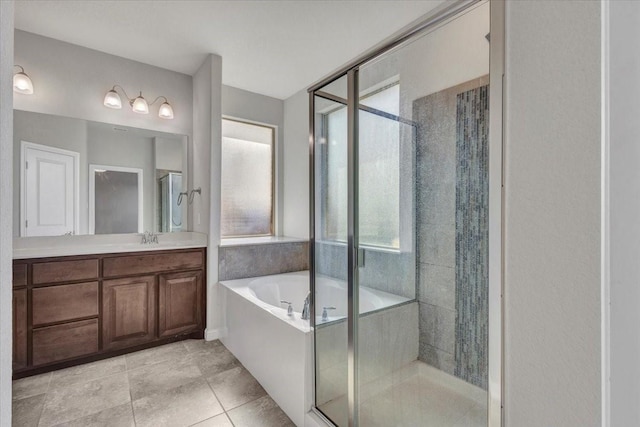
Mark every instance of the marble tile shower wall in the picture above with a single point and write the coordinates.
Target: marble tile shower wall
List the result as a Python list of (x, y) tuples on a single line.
[(436, 160), (383, 270), (239, 262), (472, 236)]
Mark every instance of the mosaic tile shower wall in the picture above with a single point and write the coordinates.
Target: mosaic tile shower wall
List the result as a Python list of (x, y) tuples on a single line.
[(450, 164), (472, 235)]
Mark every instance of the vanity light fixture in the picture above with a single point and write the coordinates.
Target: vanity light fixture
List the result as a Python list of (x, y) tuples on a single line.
[(138, 104), (21, 82)]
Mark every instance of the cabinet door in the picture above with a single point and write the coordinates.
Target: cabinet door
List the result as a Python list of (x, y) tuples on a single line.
[(180, 303), (19, 329), (129, 311)]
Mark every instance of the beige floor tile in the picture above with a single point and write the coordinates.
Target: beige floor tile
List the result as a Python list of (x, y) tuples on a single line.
[(162, 376), (31, 386), (211, 357), (184, 405), (263, 412), (119, 416), (235, 387), (198, 345), (218, 421), (69, 403), (87, 372), (167, 385), (26, 412), (152, 356)]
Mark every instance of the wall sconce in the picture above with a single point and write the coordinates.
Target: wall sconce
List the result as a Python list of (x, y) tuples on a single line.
[(138, 104), (21, 82)]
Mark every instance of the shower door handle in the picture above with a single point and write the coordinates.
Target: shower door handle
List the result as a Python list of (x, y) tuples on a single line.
[(360, 258)]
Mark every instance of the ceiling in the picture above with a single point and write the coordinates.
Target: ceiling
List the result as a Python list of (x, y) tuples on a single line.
[(275, 48)]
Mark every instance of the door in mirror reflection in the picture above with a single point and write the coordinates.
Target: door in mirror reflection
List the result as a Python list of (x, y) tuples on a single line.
[(49, 191)]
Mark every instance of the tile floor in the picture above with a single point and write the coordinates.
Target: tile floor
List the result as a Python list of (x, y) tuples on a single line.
[(187, 383)]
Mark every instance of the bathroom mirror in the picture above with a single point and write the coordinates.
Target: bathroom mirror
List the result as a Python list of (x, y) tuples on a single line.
[(74, 176)]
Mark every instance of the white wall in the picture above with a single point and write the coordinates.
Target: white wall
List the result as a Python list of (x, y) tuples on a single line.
[(241, 104), (453, 54), (207, 137), (168, 154), (624, 24), (6, 191), (552, 214), (296, 165), (71, 81)]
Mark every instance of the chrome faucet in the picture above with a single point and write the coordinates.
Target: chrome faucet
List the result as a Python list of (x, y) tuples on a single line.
[(289, 309), (325, 315), (305, 308), (148, 238)]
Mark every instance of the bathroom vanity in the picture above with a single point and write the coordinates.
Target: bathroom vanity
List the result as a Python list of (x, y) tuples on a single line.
[(73, 309)]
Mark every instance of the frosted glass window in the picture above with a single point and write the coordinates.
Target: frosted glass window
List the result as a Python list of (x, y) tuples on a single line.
[(379, 172), (247, 179)]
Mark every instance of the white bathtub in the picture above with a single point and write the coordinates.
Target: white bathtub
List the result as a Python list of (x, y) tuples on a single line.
[(276, 348)]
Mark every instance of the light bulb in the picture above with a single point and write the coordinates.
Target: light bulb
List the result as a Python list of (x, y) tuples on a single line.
[(112, 100), (139, 105), (22, 83), (166, 112)]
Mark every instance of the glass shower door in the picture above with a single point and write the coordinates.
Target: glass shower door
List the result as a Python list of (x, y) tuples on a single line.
[(401, 233), (330, 251), (423, 227)]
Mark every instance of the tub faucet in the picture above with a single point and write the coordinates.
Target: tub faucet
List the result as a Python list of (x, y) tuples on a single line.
[(325, 315), (305, 308), (289, 309)]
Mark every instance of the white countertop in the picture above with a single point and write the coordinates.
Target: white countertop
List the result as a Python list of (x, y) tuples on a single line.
[(262, 240), (43, 247)]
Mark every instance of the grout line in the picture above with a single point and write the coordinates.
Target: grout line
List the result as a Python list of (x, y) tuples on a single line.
[(224, 411), (44, 401), (133, 412), (49, 382)]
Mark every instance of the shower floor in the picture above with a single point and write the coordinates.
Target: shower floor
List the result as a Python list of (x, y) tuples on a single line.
[(415, 395)]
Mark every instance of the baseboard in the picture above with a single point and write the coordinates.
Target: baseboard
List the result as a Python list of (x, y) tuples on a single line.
[(214, 334)]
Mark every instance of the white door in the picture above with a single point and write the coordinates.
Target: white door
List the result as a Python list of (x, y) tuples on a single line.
[(49, 191)]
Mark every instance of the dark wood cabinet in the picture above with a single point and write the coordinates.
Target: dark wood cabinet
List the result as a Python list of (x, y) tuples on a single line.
[(64, 341), (76, 309), (179, 308), (61, 303), (128, 311), (19, 329)]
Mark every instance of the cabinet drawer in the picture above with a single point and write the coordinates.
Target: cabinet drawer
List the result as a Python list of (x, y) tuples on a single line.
[(19, 275), (61, 342), (65, 271), (64, 302), (152, 263)]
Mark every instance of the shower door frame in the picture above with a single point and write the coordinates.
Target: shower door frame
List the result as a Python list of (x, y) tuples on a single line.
[(439, 16)]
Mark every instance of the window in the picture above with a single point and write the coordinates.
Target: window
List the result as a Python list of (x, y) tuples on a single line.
[(379, 171), (247, 179)]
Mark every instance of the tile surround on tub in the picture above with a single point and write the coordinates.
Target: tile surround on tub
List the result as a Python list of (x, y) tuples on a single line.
[(262, 259)]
